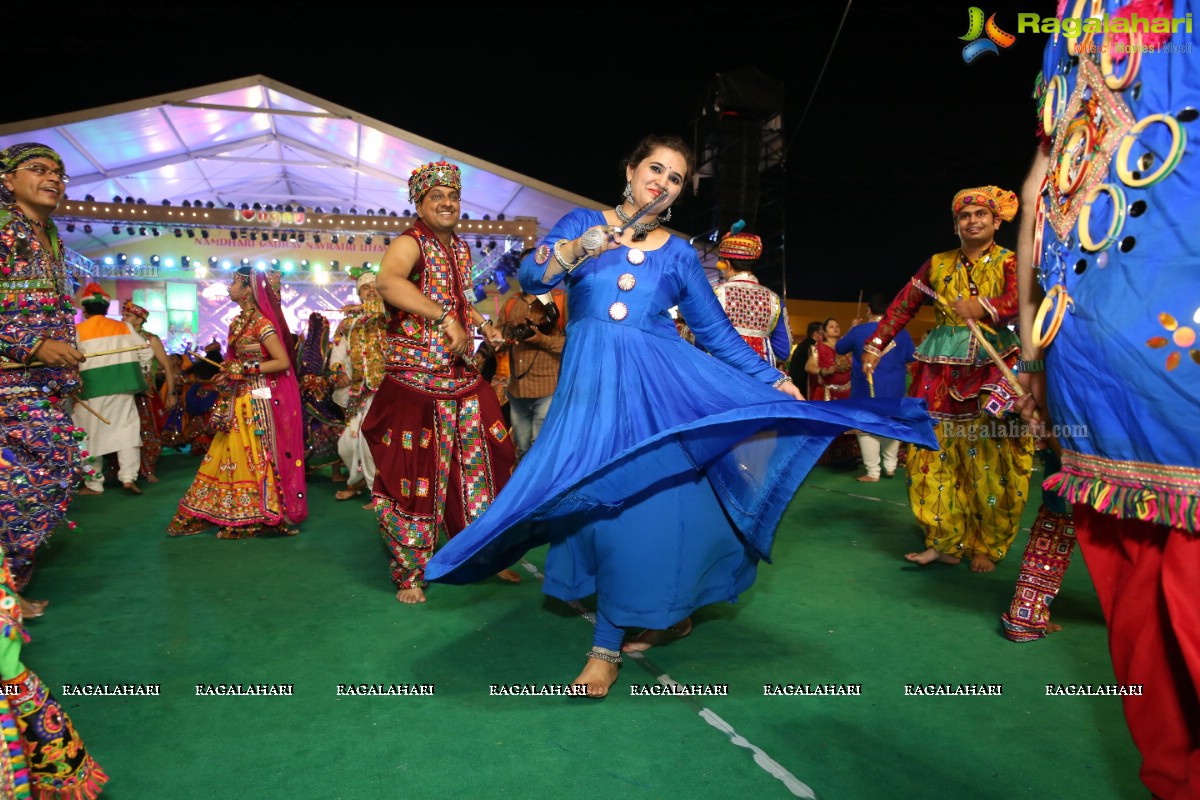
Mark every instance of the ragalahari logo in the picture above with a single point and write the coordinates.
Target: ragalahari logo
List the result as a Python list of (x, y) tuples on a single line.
[(996, 38)]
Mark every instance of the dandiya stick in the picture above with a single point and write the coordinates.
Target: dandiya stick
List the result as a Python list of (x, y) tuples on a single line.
[(1009, 375), (89, 355), (858, 308), (88, 408)]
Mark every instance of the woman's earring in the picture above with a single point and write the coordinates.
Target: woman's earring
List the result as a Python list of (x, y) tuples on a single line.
[(628, 192), (665, 217)]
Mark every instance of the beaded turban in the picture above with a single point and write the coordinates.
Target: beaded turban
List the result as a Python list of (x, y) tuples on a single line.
[(17, 154), (368, 276), (437, 173), (131, 307), (1002, 203), (740, 247)]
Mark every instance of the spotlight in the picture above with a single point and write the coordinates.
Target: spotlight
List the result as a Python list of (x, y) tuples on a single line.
[(257, 206), (301, 238), (334, 238), (178, 233), (70, 227), (487, 216), (155, 231), (141, 231), (350, 239), (245, 262), (253, 236), (408, 212), (353, 210), (108, 261), (89, 198), (333, 266), (209, 204), (129, 200), (288, 266), (212, 261), (387, 240), (466, 215), (316, 238), (304, 264), (500, 217), (129, 230), (155, 261), (165, 203), (169, 263), (117, 199), (141, 201), (191, 233), (185, 262), (478, 244), (186, 204), (122, 258), (245, 207), (87, 228), (368, 239), (274, 263), (204, 234), (233, 235), (116, 228)]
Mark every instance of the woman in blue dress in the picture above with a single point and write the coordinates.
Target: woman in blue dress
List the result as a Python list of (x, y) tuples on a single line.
[(661, 472)]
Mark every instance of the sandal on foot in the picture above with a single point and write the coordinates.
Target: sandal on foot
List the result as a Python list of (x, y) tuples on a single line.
[(653, 638)]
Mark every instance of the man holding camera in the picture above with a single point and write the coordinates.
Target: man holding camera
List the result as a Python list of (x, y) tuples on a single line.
[(535, 344)]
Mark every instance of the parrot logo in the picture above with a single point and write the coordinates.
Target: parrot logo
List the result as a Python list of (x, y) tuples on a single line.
[(996, 38)]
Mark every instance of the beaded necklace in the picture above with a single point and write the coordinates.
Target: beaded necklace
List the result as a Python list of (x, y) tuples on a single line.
[(640, 230)]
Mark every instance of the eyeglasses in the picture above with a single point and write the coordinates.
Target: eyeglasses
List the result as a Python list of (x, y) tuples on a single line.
[(42, 171)]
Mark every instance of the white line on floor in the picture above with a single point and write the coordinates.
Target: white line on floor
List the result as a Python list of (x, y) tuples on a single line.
[(797, 787)]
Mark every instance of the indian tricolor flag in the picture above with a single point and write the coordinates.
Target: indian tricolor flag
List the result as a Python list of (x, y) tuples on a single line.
[(119, 373)]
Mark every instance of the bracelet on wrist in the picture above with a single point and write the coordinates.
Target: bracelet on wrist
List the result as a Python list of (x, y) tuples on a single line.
[(558, 256), (445, 312), (1036, 365), (782, 380)]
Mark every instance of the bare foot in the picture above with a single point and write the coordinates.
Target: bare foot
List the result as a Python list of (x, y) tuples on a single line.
[(981, 563), (411, 596), (867, 479), (510, 576), (346, 494), (930, 555), (86, 491), (597, 676), (370, 506), (151, 479), (651, 638), (32, 608), (131, 487)]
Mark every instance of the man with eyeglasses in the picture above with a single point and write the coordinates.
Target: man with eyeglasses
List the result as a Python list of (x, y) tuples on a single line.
[(38, 367), (37, 331)]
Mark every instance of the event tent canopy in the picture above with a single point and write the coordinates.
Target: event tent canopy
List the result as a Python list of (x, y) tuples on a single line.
[(255, 140)]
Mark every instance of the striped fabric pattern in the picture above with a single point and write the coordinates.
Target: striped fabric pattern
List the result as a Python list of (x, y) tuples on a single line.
[(120, 373)]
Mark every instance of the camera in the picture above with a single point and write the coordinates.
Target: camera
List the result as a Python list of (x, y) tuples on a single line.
[(522, 331)]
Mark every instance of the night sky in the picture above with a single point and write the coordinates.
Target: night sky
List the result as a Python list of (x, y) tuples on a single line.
[(898, 123)]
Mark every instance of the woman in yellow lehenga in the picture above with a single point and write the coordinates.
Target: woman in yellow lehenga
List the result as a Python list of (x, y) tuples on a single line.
[(251, 481)]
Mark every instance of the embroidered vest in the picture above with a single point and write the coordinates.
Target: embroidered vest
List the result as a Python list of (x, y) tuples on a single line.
[(416, 351)]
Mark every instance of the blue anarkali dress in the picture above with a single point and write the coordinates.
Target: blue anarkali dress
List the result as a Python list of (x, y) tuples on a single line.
[(661, 471)]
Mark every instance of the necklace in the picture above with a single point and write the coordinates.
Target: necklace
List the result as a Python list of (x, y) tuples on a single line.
[(640, 230)]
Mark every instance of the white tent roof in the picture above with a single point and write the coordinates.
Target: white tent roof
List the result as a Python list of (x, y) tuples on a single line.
[(257, 140)]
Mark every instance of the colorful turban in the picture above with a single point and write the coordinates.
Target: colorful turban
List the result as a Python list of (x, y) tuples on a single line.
[(130, 307), (1002, 203), (367, 276), (92, 293), (17, 154), (740, 247), (438, 173)]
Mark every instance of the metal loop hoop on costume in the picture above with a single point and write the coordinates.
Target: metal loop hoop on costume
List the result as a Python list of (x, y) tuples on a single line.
[(1039, 223), (1083, 44), (1054, 103), (1079, 141), (1178, 145), (1116, 82), (1056, 301), (1117, 195)]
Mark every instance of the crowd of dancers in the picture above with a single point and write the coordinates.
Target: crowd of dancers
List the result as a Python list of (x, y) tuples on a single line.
[(665, 462)]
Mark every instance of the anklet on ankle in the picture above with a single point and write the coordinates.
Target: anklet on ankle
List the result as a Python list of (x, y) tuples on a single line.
[(603, 654)]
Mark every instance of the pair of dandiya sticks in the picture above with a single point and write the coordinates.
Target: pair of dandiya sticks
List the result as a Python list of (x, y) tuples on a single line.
[(79, 402)]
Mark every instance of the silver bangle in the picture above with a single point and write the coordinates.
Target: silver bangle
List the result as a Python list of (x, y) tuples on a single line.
[(558, 256), (781, 381)]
